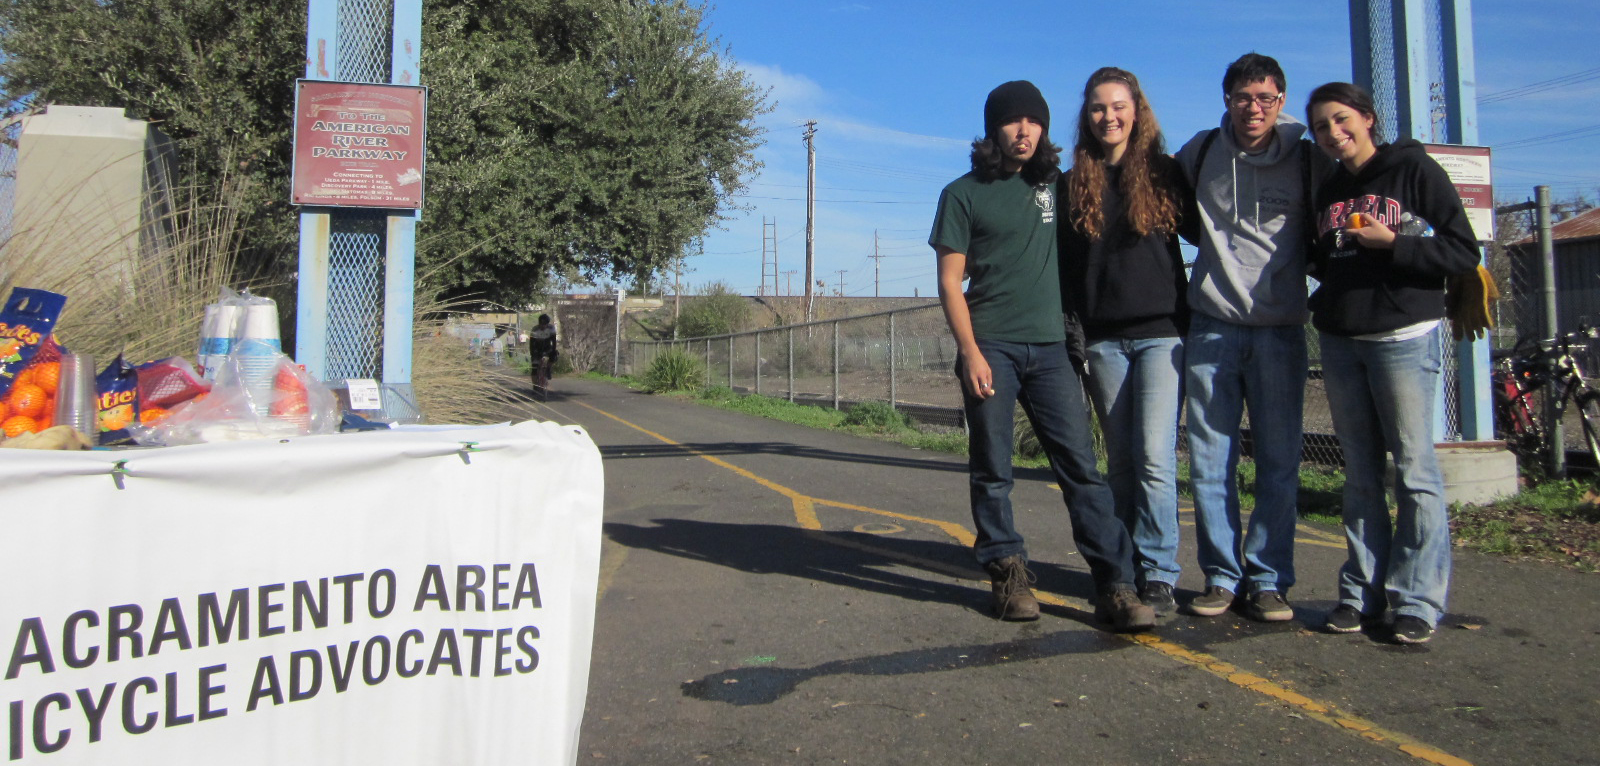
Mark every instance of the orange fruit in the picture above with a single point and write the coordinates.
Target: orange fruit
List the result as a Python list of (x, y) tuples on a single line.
[(47, 376), (26, 376), (17, 425), (27, 399), (1355, 221), (153, 414), (46, 420), (116, 418), (5, 410)]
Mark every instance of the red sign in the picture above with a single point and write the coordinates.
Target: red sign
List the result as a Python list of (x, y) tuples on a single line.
[(358, 144)]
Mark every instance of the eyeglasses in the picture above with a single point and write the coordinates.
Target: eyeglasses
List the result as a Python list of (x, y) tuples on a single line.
[(1264, 100)]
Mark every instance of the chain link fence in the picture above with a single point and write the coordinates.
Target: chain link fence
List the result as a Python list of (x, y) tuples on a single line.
[(903, 357)]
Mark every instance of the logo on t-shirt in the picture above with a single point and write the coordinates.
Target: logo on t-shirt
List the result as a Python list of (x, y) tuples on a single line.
[(1046, 200)]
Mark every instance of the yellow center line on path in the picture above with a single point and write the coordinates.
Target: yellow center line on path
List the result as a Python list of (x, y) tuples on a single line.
[(805, 515)]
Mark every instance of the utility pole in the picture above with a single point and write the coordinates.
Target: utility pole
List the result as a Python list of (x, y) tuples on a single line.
[(811, 216), (877, 264), (841, 283), (788, 282)]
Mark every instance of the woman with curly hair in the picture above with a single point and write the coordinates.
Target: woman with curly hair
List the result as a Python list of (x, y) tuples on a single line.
[(1123, 279)]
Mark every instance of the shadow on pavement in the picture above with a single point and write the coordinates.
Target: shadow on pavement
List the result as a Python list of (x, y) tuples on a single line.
[(764, 685), (787, 449)]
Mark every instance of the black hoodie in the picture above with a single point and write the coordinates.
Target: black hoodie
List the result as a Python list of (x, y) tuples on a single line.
[(1366, 290)]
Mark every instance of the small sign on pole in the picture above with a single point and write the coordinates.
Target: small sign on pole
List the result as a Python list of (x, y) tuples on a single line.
[(358, 144), (1468, 167)]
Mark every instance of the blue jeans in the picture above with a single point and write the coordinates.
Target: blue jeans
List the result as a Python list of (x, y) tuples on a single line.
[(1136, 387), (1230, 367), (1041, 377), (1381, 396)]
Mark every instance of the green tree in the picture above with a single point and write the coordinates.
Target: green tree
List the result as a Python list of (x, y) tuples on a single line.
[(216, 76), (567, 138), (718, 310)]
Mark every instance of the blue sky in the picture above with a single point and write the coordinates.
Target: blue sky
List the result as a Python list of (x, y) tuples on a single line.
[(897, 91)]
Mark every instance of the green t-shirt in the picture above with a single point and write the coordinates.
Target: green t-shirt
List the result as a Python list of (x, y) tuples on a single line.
[(1007, 230)]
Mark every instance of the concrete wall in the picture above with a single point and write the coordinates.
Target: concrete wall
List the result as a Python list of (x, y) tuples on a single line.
[(84, 188)]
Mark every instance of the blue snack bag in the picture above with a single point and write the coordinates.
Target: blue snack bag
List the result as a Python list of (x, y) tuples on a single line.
[(118, 403), (25, 324)]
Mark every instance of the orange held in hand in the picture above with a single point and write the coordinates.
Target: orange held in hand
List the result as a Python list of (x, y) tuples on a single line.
[(1355, 221), (27, 399), (18, 425)]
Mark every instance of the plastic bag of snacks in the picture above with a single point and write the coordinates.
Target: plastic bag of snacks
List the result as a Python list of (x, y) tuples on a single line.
[(117, 408), (29, 360), (297, 404)]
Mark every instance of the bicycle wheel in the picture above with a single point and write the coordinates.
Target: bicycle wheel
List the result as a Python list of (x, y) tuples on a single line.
[(1589, 416)]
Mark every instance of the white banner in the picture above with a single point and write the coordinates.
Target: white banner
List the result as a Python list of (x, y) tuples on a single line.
[(394, 597)]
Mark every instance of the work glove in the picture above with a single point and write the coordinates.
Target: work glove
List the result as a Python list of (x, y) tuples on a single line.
[(1466, 302)]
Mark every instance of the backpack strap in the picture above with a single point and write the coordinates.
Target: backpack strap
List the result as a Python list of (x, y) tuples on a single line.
[(1205, 148)]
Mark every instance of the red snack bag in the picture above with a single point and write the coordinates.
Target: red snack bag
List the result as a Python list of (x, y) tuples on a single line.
[(168, 383)]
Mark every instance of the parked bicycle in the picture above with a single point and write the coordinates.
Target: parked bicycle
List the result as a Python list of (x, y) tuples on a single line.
[(1548, 366)]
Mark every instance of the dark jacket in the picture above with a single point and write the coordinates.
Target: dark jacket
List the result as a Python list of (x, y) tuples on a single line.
[(1123, 285), (1365, 290)]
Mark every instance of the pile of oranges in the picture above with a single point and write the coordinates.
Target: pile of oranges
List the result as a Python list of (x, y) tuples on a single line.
[(31, 404)]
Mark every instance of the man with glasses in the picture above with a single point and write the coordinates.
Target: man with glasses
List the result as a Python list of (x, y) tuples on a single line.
[(1246, 346)]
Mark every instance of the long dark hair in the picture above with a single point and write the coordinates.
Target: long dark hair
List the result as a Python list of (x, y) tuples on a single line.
[(1146, 183), (1353, 96), (1042, 168)]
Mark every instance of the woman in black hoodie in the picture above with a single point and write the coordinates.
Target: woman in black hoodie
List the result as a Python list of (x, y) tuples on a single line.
[(1390, 229), (1122, 279)]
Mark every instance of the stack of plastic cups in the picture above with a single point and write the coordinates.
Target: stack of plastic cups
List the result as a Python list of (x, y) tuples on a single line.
[(216, 337), (75, 399), (256, 352)]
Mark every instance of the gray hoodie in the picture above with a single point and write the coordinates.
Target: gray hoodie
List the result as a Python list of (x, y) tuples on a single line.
[(1252, 264)]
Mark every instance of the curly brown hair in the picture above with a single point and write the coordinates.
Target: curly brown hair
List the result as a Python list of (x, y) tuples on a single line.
[(1148, 183)]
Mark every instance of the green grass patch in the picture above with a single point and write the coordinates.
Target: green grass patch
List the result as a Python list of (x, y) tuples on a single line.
[(1554, 521)]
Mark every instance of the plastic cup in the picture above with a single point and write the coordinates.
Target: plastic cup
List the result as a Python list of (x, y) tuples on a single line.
[(75, 397)]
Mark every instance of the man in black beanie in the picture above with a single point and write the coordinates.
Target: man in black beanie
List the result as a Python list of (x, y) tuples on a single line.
[(996, 227)]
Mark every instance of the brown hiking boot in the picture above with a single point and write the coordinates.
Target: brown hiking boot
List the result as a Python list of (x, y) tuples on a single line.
[(1013, 598), (1126, 613)]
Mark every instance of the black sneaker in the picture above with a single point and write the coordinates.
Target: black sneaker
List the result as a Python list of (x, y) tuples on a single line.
[(1344, 619), (1158, 596), (1013, 598), (1214, 601), (1412, 630), (1268, 606)]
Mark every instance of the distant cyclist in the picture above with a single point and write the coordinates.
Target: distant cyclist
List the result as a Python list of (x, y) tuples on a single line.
[(542, 351)]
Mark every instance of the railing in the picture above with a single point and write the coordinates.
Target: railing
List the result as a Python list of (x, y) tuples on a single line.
[(904, 357)]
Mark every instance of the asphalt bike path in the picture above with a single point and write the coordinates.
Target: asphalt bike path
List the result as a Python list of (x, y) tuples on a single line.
[(777, 594)]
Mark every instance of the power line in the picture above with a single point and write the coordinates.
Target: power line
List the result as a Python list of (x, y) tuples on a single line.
[(1539, 87), (1552, 138)]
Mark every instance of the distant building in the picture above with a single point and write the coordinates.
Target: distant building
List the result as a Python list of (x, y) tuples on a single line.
[(1577, 270)]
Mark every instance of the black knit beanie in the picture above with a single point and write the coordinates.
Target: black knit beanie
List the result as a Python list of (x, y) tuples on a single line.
[(1018, 98)]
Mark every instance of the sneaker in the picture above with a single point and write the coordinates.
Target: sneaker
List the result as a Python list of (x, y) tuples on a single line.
[(1344, 619), (1412, 630), (1121, 608), (1158, 596), (1013, 597), (1214, 601), (1268, 606)]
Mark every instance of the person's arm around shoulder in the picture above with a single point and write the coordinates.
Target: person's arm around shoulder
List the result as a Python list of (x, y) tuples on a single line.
[(974, 370)]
